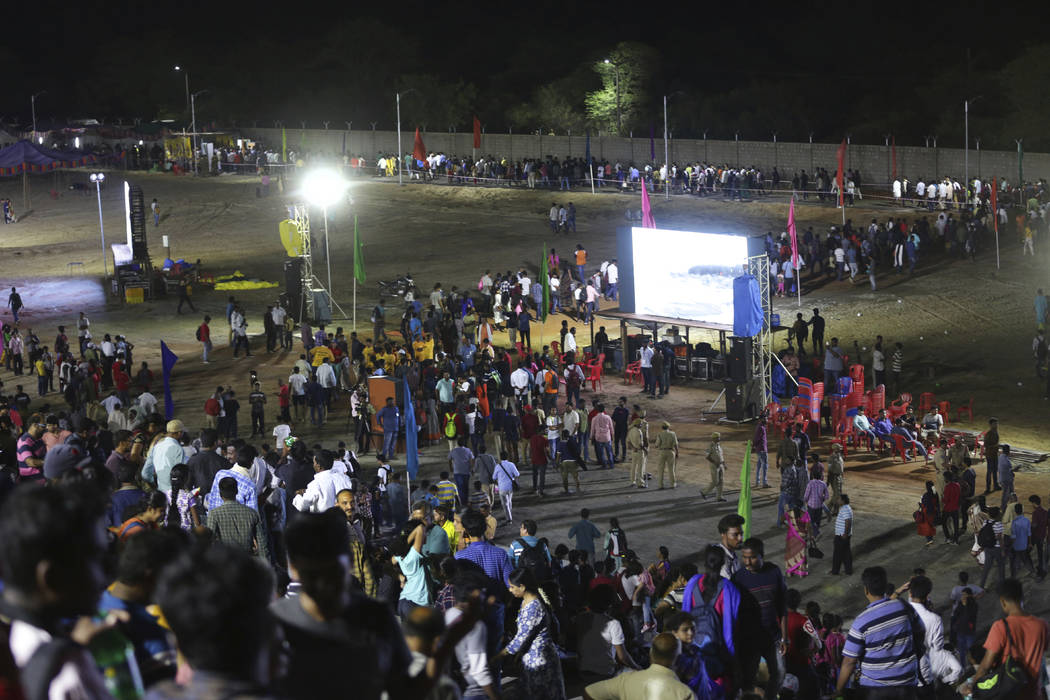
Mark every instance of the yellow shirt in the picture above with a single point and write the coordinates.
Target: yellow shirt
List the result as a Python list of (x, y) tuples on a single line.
[(370, 356), (423, 349), (41, 370), (450, 530), (319, 354)]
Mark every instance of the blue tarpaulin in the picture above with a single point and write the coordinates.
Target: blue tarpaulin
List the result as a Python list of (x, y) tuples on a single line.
[(748, 318)]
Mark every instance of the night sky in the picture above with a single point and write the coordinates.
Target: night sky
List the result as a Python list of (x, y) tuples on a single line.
[(756, 67)]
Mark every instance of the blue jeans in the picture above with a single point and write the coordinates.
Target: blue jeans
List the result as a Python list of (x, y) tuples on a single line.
[(783, 503), (555, 303), (605, 454), (580, 273), (612, 291), (585, 448), (462, 486), (317, 413), (572, 395), (647, 378), (761, 468), (389, 443), (589, 313)]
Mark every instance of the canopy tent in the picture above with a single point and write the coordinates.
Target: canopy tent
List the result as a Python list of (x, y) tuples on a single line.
[(25, 156)]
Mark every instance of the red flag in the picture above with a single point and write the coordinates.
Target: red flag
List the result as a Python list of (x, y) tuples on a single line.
[(419, 151), (647, 210), (995, 202), (794, 236), (841, 174), (477, 132), (893, 155)]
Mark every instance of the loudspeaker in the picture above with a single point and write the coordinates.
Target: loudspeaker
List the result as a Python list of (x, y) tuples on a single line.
[(743, 400), (322, 311), (739, 365), (293, 287)]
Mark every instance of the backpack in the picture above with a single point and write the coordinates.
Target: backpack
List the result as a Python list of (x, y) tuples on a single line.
[(550, 382), (573, 380), (708, 634), (617, 542), (450, 426), (986, 535), (199, 333), (533, 558)]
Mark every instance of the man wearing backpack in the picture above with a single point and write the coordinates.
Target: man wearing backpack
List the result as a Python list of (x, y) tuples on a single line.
[(204, 337), (573, 381), (1020, 636), (527, 552)]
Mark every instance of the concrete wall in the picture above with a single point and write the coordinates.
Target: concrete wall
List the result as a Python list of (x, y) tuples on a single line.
[(873, 161)]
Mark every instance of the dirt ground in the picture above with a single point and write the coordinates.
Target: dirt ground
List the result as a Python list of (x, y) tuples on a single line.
[(971, 323)]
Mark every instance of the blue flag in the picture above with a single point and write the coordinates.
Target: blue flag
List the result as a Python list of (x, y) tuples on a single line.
[(168, 360), (411, 435), (588, 148)]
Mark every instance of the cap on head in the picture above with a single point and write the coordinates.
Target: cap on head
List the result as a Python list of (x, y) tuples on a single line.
[(174, 426)]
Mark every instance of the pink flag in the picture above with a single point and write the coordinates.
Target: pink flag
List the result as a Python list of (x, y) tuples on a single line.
[(647, 210), (793, 234)]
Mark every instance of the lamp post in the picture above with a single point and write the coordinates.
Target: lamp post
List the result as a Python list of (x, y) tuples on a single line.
[(98, 179), (324, 188), (186, 75), (619, 119), (32, 107), (193, 122), (966, 148)]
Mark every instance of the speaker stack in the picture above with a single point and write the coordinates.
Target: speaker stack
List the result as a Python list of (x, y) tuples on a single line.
[(743, 394)]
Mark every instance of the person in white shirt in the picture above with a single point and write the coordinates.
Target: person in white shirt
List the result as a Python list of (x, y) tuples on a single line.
[(897, 192), (505, 474), (937, 664), (555, 286), (554, 217), (612, 279), (326, 378), (520, 379), (296, 381), (320, 492), (277, 315), (570, 341), (646, 364), (110, 401), (147, 403)]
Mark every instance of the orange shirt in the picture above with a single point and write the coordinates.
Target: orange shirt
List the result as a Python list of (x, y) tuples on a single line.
[(1030, 639), (581, 257)]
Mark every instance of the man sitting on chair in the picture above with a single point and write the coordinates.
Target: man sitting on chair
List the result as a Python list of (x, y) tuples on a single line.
[(862, 425), (899, 429)]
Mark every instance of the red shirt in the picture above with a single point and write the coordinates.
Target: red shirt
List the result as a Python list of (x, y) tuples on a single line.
[(282, 396), (529, 425), (120, 379), (205, 333), (538, 450), (1039, 524), (952, 494), (800, 633)]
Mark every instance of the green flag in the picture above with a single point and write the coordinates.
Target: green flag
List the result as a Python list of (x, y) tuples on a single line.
[(359, 260), (743, 507), (545, 281), (284, 145)]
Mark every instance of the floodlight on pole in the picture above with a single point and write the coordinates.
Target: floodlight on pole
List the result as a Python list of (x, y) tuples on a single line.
[(193, 123), (32, 106), (98, 179), (186, 75), (324, 188)]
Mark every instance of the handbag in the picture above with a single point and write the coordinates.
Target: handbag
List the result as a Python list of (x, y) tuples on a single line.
[(513, 481), (1006, 680)]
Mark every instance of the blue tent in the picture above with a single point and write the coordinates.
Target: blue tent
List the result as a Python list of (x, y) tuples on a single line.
[(26, 156)]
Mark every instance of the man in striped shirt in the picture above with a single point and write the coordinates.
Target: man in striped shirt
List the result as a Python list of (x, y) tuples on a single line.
[(881, 643), (447, 492), (31, 449)]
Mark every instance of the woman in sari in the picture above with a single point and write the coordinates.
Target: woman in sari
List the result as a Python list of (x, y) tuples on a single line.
[(926, 518), (540, 666), (795, 560)]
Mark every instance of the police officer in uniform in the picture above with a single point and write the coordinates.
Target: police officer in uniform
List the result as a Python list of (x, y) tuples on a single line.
[(638, 441), (667, 451), (717, 463)]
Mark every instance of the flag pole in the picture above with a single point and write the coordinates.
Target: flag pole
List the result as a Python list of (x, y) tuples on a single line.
[(591, 167)]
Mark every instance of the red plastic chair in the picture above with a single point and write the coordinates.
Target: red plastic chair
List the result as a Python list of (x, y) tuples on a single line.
[(856, 373), (926, 401), (945, 407), (899, 448), (555, 348), (632, 371), (843, 435), (966, 408), (520, 349), (594, 376)]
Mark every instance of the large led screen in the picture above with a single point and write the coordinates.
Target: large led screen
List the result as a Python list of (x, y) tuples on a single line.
[(685, 274)]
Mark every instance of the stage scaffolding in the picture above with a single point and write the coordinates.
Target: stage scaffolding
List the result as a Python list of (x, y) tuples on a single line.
[(762, 347)]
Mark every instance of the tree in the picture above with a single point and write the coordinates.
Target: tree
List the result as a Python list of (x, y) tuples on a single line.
[(624, 97), (556, 106)]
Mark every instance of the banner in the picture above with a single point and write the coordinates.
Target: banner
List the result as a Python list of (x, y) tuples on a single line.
[(411, 434), (743, 507), (284, 145), (477, 132), (168, 360), (359, 259), (647, 210), (794, 236)]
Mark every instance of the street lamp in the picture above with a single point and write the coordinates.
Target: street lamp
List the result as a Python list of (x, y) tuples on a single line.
[(966, 149), (32, 106), (619, 122), (98, 179), (193, 122), (324, 188), (186, 75)]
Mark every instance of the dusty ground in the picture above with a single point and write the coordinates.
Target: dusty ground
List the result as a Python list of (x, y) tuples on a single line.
[(973, 323)]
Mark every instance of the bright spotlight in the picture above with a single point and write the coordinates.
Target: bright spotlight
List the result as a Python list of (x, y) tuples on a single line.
[(76, 142), (40, 140), (324, 187)]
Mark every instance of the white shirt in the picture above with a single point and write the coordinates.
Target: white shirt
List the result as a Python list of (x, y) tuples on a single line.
[(937, 662), (505, 472), (526, 284), (878, 360), (612, 273), (571, 422), (320, 492), (297, 382), (109, 402), (597, 645), (237, 323), (570, 343), (553, 430), (280, 432), (647, 357), (519, 380), (277, 315), (78, 677), (326, 376), (148, 402)]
